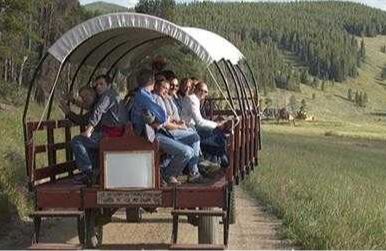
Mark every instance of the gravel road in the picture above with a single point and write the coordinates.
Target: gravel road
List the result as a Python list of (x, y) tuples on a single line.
[(254, 229)]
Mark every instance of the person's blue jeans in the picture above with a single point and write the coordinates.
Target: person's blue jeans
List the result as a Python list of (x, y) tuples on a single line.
[(181, 151), (213, 142), (189, 137), (86, 151)]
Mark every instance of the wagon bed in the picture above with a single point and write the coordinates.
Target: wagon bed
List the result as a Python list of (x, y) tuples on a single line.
[(65, 194)]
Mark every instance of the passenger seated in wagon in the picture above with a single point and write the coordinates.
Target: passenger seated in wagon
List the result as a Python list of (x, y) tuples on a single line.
[(212, 134), (103, 120), (149, 119), (183, 91), (85, 100)]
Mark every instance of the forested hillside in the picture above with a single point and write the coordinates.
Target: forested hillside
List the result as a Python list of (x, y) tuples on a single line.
[(27, 30), (322, 35), (103, 8)]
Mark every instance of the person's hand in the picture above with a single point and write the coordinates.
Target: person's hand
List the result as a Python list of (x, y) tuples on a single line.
[(181, 122), (155, 125), (87, 133), (64, 106), (225, 125), (182, 126), (219, 118), (228, 125)]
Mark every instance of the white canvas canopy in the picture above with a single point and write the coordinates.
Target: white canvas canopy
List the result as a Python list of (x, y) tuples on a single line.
[(117, 38)]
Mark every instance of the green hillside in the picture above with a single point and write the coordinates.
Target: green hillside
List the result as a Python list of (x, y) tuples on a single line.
[(324, 35), (104, 8), (316, 51), (330, 102)]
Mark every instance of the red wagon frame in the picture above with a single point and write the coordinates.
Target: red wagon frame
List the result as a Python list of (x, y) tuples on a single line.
[(56, 196)]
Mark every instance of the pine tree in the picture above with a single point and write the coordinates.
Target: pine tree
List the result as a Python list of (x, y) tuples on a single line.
[(292, 103), (383, 48), (384, 73), (302, 113), (365, 99), (303, 103), (360, 99), (304, 77), (356, 98), (268, 102), (315, 83), (363, 49), (349, 94)]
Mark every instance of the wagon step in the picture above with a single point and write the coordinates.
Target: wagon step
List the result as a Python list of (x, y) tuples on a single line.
[(54, 246), (57, 213), (37, 217), (196, 247), (219, 213)]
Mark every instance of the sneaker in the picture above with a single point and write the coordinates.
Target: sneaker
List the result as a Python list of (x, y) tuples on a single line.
[(224, 162), (94, 241), (193, 220), (82, 179), (196, 178), (173, 181), (208, 168), (95, 178)]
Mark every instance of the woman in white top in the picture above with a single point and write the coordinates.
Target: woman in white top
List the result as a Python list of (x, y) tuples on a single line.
[(213, 141)]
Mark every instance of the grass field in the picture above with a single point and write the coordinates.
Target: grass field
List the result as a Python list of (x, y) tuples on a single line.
[(327, 179), (12, 167), (332, 103), (13, 180), (329, 191)]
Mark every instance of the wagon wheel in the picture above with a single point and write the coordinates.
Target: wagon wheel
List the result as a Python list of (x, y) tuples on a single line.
[(94, 231), (133, 214), (207, 233)]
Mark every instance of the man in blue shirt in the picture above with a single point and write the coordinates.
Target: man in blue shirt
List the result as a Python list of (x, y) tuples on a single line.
[(145, 106)]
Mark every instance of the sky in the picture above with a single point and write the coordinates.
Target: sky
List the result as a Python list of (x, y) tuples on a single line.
[(381, 4)]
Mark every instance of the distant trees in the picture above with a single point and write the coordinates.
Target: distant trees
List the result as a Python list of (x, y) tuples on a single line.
[(160, 8), (305, 77), (293, 103), (383, 74), (321, 34), (27, 30), (360, 98), (349, 94), (362, 51), (302, 113), (323, 86)]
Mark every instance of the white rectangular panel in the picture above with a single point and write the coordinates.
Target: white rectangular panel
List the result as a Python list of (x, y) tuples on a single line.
[(132, 169)]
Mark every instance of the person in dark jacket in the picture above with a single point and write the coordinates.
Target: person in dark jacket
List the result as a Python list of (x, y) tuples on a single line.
[(103, 120), (86, 100)]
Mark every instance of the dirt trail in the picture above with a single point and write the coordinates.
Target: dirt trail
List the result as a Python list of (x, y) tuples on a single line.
[(255, 229)]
